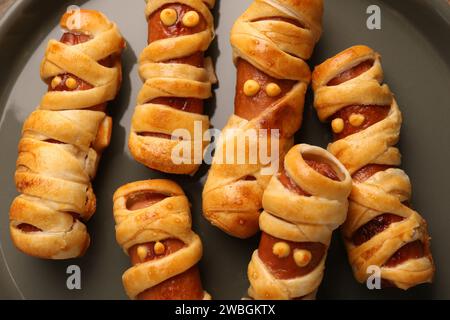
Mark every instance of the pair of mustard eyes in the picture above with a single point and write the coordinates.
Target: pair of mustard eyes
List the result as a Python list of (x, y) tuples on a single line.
[(355, 120), (70, 83), (169, 17), (301, 257), (252, 87), (159, 249)]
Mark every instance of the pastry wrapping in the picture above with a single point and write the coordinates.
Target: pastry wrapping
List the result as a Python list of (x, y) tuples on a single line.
[(62, 141), (270, 42), (153, 226), (382, 228), (303, 204), (168, 126)]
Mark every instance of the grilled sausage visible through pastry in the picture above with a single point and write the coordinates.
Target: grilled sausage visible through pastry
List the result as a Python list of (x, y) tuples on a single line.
[(382, 228), (62, 141), (270, 43), (303, 204), (177, 80), (153, 226)]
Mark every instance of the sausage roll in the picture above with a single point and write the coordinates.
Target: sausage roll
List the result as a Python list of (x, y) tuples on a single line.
[(62, 140), (168, 125), (270, 42), (382, 228), (303, 204), (153, 226)]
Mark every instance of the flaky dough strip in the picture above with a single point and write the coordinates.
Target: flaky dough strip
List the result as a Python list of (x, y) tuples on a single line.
[(169, 218), (275, 37), (301, 219), (177, 80), (62, 143), (387, 191)]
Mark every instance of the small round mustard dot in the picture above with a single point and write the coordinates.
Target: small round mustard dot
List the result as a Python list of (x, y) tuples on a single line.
[(273, 90), (56, 81), (356, 120), (191, 19), (337, 125), (169, 17), (71, 83), (281, 249), (159, 248), (142, 252), (302, 257), (251, 88)]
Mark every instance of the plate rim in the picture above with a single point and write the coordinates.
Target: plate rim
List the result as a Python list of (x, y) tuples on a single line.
[(11, 20)]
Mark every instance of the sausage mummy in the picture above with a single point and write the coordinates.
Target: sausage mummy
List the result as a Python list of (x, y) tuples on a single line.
[(382, 229), (153, 226), (303, 204), (62, 141), (270, 42), (177, 79)]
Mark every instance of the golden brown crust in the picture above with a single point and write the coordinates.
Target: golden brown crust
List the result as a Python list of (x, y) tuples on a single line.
[(63, 140), (166, 220), (380, 189), (167, 73), (275, 39), (302, 223), (344, 60)]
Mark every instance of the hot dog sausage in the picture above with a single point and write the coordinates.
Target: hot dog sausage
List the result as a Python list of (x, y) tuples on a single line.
[(178, 78), (297, 223), (270, 46), (185, 286), (63, 140), (366, 122), (170, 246)]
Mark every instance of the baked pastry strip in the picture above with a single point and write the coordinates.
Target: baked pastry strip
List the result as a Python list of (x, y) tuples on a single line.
[(177, 79), (270, 41), (153, 226), (303, 204), (382, 228), (62, 141)]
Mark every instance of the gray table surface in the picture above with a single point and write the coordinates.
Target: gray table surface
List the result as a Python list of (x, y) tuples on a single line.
[(103, 281)]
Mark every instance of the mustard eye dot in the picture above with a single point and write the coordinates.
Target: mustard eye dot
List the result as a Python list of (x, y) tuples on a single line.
[(273, 90), (251, 88), (281, 249), (356, 120), (56, 81), (191, 19), (159, 248), (337, 125), (142, 252), (71, 83), (169, 17), (302, 257)]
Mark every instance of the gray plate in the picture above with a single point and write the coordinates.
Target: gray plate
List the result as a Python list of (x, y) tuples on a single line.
[(415, 47)]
